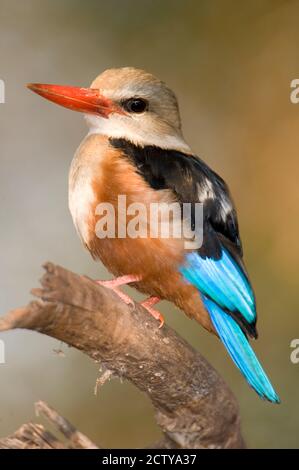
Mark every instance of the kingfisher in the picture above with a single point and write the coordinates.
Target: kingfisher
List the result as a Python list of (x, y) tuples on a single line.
[(135, 148)]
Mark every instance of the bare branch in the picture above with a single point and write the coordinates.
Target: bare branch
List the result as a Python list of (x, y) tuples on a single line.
[(76, 439), (34, 436), (194, 406)]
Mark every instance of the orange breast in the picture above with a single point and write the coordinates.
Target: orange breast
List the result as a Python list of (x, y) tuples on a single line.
[(155, 259)]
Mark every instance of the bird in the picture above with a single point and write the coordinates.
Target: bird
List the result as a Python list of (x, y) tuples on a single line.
[(135, 148)]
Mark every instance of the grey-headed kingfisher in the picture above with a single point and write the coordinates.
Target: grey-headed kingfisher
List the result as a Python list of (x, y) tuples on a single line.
[(135, 147)]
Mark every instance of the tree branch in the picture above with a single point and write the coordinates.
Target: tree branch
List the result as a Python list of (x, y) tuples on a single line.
[(194, 406), (35, 436)]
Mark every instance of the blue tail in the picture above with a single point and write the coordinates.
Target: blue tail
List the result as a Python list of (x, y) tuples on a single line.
[(240, 351)]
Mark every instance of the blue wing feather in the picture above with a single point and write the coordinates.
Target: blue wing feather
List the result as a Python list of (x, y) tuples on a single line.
[(223, 281), (224, 288), (240, 351)]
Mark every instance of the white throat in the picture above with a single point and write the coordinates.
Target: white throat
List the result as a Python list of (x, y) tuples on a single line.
[(118, 127)]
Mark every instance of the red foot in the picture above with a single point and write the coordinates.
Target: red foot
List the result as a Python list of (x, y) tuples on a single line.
[(114, 284), (148, 303)]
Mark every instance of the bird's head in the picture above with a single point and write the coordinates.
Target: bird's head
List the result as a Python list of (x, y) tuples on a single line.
[(124, 103)]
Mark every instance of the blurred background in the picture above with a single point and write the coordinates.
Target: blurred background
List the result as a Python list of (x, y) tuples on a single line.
[(231, 64)]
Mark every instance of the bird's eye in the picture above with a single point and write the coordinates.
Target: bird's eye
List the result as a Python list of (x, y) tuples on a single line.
[(135, 105)]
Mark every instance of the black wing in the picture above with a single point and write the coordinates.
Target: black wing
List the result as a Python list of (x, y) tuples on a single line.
[(192, 181)]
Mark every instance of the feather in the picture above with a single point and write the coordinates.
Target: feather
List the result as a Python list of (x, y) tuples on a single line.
[(240, 351), (223, 281)]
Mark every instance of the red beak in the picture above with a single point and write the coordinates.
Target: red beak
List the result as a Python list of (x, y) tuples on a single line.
[(84, 100)]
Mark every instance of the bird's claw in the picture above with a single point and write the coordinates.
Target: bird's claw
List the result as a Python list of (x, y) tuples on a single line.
[(148, 305), (114, 287)]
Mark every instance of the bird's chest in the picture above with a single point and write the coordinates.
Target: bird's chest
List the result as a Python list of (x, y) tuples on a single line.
[(109, 186), (85, 171), (81, 201)]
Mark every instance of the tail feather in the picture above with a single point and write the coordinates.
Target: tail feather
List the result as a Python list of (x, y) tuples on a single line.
[(240, 351)]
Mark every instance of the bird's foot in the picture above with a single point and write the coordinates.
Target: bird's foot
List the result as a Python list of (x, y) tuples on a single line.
[(114, 285), (148, 305)]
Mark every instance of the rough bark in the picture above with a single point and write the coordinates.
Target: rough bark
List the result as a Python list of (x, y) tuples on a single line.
[(193, 405)]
